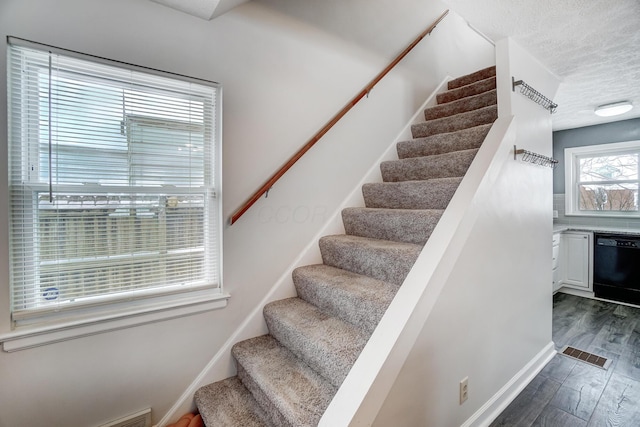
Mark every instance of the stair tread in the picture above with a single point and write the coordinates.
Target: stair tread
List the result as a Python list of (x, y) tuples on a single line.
[(472, 77), (424, 194), (358, 299), (400, 225), (462, 105), (452, 164), (228, 403), (471, 89), (328, 344), (358, 241), (480, 116), (382, 259), (278, 379), (463, 139)]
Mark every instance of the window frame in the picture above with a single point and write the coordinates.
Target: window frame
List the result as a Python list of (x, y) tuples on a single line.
[(572, 158), (145, 307)]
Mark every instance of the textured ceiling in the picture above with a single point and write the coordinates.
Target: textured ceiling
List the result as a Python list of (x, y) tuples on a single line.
[(593, 46)]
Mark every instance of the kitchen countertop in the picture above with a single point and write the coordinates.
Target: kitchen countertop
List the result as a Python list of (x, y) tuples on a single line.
[(559, 228)]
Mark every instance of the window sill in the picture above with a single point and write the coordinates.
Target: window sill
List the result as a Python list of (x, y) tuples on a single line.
[(634, 215), (29, 337)]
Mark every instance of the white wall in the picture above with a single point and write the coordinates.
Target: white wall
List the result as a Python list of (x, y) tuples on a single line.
[(283, 78), (494, 315)]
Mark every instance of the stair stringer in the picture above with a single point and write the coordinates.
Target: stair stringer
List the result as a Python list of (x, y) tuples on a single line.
[(367, 385), (222, 365)]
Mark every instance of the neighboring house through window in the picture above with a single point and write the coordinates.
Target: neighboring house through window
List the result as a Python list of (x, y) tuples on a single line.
[(603, 180)]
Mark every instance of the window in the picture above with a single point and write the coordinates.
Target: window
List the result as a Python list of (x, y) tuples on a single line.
[(603, 179), (114, 185)]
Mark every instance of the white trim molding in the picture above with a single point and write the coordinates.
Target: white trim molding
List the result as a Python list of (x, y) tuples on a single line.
[(42, 335), (484, 416)]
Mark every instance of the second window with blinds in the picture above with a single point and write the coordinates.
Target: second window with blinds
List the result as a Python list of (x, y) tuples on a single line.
[(114, 176)]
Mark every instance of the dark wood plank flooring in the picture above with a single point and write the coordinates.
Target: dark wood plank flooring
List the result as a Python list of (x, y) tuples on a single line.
[(568, 393)]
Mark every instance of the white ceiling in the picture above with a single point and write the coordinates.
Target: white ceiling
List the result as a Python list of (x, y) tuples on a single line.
[(205, 9), (593, 46)]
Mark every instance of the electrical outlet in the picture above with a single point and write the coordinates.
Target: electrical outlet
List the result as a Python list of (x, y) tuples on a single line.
[(464, 390)]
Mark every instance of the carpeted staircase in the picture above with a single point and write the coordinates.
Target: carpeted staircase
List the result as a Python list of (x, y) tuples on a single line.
[(288, 378)]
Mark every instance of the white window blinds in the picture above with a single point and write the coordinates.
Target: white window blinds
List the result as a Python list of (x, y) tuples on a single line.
[(114, 178)]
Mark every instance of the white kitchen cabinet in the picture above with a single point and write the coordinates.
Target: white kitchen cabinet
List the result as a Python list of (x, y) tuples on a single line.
[(574, 260)]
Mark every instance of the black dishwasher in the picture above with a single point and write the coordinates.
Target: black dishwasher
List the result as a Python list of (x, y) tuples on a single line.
[(616, 267)]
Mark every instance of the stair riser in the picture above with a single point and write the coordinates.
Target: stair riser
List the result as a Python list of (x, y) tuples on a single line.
[(238, 409), (287, 389), (461, 106), (464, 91), (389, 266), (327, 344), (358, 300), (458, 122), (472, 78), (410, 195), (465, 139), (428, 167), (270, 410), (396, 225)]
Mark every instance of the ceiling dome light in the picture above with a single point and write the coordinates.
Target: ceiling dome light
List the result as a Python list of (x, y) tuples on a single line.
[(614, 109)]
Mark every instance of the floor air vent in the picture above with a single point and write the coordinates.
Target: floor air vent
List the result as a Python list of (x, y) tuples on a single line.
[(590, 358), (139, 419)]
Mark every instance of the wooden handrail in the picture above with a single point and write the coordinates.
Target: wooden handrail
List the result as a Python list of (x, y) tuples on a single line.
[(275, 177)]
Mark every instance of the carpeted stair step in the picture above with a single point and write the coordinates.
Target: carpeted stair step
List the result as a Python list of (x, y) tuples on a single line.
[(228, 403), (444, 165), (485, 73), (357, 299), (329, 345), (461, 105), (380, 259), (460, 121), (465, 91), (288, 390), (464, 139), (399, 225), (430, 194)]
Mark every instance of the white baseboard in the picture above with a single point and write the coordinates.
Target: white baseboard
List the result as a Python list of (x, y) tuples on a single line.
[(591, 295), (499, 402), (576, 292)]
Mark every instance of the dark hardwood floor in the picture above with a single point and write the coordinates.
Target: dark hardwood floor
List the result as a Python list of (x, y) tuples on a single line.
[(570, 393)]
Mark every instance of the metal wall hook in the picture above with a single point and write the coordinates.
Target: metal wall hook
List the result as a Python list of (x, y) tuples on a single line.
[(535, 158), (534, 95)]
